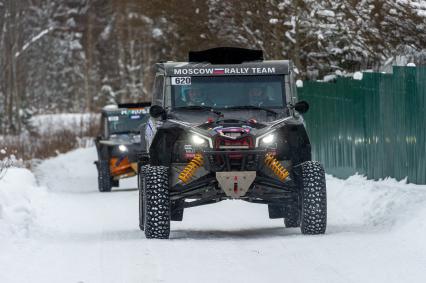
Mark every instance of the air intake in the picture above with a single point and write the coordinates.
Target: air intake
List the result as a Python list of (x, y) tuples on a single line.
[(226, 55)]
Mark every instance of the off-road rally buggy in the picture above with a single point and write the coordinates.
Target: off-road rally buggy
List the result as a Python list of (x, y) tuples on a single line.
[(118, 145), (226, 125)]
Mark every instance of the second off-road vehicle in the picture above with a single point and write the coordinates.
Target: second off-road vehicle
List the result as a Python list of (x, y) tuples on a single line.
[(227, 125), (118, 145)]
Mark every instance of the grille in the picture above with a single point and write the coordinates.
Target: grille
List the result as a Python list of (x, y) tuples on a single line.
[(242, 143), (232, 157), (233, 135)]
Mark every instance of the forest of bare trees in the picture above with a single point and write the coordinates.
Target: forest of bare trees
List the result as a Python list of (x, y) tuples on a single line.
[(78, 55)]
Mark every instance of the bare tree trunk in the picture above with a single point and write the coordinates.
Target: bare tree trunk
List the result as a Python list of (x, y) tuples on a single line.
[(296, 50), (89, 60), (13, 37)]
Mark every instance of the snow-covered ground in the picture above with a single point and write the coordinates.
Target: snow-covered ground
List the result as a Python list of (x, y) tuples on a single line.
[(63, 230)]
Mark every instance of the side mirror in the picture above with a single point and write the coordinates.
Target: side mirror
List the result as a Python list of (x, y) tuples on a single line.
[(156, 111), (301, 107)]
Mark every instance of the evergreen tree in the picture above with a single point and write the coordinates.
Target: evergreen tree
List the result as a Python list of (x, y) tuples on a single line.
[(78, 55)]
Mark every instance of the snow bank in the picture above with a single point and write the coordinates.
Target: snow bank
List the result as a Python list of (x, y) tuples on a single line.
[(376, 205), (76, 122), (18, 193), (74, 171)]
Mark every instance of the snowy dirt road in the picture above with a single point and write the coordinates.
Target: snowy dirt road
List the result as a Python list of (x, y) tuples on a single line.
[(376, 233)]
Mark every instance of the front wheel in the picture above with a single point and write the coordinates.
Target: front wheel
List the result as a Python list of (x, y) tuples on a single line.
[(141, 185), (314, 198), (105, 181), (156, 203)]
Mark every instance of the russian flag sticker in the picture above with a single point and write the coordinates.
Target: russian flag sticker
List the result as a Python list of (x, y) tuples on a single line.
[(218, 71)]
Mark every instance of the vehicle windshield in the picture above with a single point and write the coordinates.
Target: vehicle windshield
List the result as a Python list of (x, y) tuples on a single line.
[(222, 92), (125, 123)]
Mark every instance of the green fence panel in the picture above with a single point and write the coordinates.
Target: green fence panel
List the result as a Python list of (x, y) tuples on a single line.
[(374, 126)]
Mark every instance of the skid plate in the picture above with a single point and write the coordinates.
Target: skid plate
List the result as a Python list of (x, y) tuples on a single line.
[(235, 184)]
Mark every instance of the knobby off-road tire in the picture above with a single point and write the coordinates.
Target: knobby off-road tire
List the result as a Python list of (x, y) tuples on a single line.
[(105, 181), (141, 184), (314, 198), (156, 203)]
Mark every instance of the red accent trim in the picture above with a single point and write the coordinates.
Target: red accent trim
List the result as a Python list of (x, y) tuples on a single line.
[(245, 141), (218, 71)]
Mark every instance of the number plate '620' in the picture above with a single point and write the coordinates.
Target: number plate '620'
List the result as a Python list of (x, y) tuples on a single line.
[(181, 80)]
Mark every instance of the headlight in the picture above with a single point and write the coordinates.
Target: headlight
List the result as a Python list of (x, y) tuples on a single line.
[(123, 148), (197, 140), (268, 139)]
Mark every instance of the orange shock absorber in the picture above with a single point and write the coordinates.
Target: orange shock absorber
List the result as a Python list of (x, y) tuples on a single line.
[(190, 169), (276, 166)]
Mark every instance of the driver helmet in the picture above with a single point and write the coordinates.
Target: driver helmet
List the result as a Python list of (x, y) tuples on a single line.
[(195, 95), (257, 94)]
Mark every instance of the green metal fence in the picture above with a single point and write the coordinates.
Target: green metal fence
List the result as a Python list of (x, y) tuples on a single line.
[(375, 126)]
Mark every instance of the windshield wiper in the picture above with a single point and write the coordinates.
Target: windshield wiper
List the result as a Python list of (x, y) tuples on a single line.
[(200, 107), (253, 108)]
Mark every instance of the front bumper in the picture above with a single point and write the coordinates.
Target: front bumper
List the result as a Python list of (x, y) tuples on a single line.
[(207, 189), (124, 164), (234, 160), (232, 174), (133, 153)]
